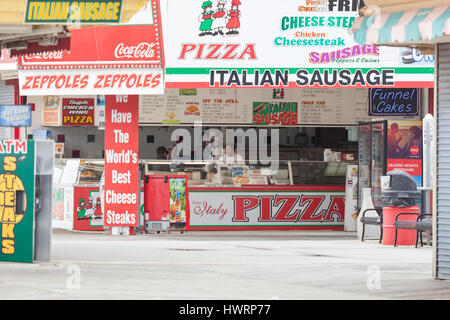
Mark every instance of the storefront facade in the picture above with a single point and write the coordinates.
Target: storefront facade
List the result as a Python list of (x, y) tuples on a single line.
[(298, 82)]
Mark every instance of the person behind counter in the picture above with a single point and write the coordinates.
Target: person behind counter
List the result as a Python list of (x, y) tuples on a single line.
[(231, 157), (161, 154)]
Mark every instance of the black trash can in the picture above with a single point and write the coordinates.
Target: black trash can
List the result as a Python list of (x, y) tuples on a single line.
[(402, 190)]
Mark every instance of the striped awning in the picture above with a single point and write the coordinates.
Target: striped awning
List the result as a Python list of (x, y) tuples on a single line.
[(406, 27)]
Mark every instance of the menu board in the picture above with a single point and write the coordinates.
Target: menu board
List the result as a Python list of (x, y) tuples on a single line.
[(330, 106), (182, 106), (333, 106)]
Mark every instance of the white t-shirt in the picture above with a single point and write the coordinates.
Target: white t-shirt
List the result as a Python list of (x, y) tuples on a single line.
[(234, 159)]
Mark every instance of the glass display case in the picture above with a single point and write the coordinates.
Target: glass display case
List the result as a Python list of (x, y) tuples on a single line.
[(70, 172), (295, 172), (372, 159)]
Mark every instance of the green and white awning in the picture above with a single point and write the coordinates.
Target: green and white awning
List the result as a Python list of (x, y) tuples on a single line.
[(411, 26)]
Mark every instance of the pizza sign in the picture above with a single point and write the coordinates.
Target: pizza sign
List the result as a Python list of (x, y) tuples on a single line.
[(256, 208), (78, 112)]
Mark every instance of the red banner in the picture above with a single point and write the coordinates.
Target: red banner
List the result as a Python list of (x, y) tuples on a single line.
[(78, 112), (121, 161), (125, 45)]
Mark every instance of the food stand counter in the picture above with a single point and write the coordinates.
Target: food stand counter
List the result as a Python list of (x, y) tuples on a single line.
[(247, 197)]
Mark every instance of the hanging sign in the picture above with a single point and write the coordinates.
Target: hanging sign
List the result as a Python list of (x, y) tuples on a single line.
[(405, 148), (282, 114), (17, 200), (15, 116), (78, 112), (236, 44), (393, 102), (58, 11), (121, 161)]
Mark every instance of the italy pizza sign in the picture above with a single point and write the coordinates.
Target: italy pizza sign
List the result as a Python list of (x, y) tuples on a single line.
[(252, 208)]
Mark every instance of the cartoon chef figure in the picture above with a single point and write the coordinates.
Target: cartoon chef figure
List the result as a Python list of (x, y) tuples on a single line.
[(205, 19), (234, 15), (220, 17), (90, 208), (81, 209)]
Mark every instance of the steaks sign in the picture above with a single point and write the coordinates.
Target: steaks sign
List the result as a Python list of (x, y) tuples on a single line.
[(121, 161), (253, 208)]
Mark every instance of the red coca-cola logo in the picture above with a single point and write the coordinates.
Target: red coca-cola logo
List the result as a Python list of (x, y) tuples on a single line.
[(414, 150), (52, 55), (140, 51)]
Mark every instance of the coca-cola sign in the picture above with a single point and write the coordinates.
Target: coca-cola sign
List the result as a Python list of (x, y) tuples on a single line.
[(51, 55), (102, 47), (143, 50)]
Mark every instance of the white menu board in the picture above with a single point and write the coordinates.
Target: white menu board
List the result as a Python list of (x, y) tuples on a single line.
[(330, 106), (333, 106), (186, 106)]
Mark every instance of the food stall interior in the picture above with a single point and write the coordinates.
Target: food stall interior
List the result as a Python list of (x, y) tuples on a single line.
[(318, 158)]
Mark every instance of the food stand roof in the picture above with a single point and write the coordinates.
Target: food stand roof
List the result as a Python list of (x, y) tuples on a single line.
[(29, 26), (403, 23)]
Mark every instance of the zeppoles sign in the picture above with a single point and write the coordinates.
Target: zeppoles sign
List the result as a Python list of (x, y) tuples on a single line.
[(87, 82)]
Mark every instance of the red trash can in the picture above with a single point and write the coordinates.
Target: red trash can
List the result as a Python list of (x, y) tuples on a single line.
[(405, 237)]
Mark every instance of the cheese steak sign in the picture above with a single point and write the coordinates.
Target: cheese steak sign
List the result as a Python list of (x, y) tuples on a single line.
[(255, 208), (121, 161)]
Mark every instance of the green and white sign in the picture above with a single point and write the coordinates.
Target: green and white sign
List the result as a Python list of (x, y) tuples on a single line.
[(290, 44), (17, 200)]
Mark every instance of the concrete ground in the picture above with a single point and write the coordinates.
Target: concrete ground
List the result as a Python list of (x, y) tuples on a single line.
[(224, 265)]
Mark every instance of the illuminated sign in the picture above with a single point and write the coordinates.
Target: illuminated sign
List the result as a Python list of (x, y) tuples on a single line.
[(393, 102)]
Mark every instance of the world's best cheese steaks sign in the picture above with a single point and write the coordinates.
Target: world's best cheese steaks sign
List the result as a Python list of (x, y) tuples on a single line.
[(121, 161)]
